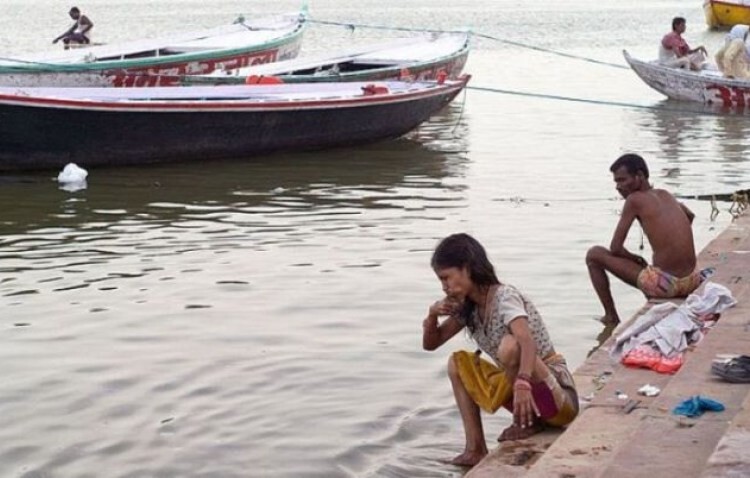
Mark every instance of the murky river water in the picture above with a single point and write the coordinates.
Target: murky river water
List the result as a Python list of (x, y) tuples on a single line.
[(262, 317)]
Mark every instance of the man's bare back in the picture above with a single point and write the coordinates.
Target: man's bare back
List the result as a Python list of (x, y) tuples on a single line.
[(666, 224)]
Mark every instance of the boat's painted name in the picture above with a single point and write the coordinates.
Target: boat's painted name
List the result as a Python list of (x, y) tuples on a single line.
[(729, 95), (169, 75)]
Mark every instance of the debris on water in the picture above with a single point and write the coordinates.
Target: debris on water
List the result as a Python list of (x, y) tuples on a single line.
[(72, 178), (198, 306)]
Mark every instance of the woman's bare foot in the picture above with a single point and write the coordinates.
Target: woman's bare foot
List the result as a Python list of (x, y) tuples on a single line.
[(515, 432), (468, 458)]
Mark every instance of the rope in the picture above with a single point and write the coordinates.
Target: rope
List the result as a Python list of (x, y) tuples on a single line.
[(590, 101), (460, 114), (740, 204), (554, 52), (352, 26), (25, 62)]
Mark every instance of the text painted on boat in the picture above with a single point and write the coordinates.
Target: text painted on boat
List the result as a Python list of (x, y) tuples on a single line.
[(729, 95), (170, 75)]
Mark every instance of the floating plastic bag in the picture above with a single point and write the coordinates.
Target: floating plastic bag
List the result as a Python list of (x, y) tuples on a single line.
[(72, 178)]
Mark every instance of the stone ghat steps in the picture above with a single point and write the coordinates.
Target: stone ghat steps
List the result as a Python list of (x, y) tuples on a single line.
[(730, 459), (640, 436)]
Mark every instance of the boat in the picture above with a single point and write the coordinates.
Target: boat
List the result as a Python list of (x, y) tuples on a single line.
[(49, 127), (707, 86), (236, 45), (418, 58), (726, 13)]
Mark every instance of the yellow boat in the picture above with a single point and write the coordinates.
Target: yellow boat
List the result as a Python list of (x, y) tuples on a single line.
[(726, 13)]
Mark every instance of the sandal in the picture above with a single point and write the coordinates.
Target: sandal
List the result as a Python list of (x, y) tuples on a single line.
[(734, 370)]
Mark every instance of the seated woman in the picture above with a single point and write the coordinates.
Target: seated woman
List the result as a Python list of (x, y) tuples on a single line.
[(733, 59), (526, 375)]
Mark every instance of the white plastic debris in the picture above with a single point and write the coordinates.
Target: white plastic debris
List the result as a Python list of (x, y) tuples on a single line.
[(72, 178), (649, 390), (71, 173)]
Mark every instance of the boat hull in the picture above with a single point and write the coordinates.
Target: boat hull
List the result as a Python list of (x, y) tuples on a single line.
[(451, 65), (163, 75), (725, 14), (158, 71), (683, 85), (50, 136)]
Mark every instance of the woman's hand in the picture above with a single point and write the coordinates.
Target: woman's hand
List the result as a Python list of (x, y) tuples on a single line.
[(434, 333), (524, 409), (444, 307)]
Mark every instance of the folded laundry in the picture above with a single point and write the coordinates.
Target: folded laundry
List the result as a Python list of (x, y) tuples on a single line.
[(670, 328), (696, 405)]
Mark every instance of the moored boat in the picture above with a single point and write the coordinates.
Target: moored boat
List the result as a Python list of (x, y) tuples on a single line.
[(419, 58), (707, 86), (240, 44), (50, 127), (726, 13)]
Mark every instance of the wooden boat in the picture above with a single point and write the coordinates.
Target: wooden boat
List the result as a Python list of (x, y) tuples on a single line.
[(243, 43), (49, 127), (707, 86), (419, 58), (726, 13)]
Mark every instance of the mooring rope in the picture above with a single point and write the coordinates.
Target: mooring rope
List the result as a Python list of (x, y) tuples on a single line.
[(553, 52), (352, 26), (26, 62), (460, 114), (574, 99)]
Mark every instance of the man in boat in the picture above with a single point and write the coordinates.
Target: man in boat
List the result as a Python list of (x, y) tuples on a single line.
[(676, 53), (79, 33), (666, 222)]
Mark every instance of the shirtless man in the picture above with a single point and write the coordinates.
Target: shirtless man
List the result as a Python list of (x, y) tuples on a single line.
[(79, 33), (667, 225)]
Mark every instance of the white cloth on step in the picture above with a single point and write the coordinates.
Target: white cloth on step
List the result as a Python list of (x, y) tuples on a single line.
[(670, 328)]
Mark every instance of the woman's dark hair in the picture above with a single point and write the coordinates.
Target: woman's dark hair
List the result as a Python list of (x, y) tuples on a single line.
[(463, 251)]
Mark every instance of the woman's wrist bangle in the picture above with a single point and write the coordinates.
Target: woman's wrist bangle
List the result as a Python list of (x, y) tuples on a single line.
[(521, 384)]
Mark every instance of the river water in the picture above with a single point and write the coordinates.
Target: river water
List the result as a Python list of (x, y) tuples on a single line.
[(262, 317)]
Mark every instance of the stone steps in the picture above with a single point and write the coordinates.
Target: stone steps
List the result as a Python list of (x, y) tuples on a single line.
[(731, 457), (624, 438)]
